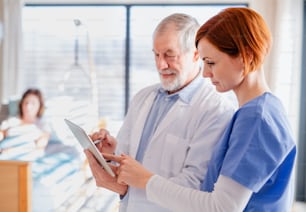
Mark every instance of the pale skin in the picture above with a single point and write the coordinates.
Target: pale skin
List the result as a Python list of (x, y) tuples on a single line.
[(130, 171), (176, 68), (30, 108), (226, 73), (108, 143), (103, 179)]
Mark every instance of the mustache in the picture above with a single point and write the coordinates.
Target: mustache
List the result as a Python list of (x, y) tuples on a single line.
[(167, 72)]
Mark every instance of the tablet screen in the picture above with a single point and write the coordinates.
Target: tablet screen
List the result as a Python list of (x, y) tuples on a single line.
[(87, 143)]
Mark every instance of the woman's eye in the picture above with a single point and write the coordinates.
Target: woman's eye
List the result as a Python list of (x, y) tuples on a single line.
[(210, 63)]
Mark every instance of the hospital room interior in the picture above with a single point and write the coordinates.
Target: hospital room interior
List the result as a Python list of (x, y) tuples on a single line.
[(88, 58)]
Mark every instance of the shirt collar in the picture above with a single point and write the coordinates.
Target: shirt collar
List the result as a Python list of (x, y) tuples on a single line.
[(187, 92)]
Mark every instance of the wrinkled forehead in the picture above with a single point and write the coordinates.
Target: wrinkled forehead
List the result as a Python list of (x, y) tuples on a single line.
[(164, 42)]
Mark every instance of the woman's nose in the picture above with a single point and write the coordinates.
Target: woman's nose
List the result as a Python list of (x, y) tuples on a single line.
[(206, 73)]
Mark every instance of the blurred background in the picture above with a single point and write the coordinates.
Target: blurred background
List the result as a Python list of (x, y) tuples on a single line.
[(89, 57)]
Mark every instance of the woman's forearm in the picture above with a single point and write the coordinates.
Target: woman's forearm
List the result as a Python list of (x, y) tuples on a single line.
[(228, 196)]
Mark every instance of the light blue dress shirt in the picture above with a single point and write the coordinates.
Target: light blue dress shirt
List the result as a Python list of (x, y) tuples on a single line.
[(161, 105)]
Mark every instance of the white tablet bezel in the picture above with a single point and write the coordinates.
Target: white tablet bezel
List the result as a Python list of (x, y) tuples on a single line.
[(87, 143)]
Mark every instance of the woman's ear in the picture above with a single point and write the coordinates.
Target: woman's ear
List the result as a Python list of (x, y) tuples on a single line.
[(250, 56), (248, 63)]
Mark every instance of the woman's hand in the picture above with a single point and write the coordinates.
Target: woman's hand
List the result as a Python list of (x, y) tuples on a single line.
[(42, 141), (3, 134), (107, 142), (130, 171)]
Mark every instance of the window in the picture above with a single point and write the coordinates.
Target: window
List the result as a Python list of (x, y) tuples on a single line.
[(61, 53), (100, 52)]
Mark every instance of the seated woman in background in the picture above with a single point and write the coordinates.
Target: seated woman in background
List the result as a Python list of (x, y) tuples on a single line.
[(29, 119)]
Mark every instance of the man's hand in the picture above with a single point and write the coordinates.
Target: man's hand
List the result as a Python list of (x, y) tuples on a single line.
[(103, 179), (104, 141)]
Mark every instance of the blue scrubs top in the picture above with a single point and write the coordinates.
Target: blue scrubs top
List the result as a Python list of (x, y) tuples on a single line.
[(257, 150)]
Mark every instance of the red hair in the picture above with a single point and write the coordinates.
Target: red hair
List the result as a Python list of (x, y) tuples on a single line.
[(238, 31)]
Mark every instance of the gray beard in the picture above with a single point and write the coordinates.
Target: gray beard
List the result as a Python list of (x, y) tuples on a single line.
[(174, 85)]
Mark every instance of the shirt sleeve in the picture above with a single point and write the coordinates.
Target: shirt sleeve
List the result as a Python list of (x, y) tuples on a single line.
[(228, 195), (257, 147)]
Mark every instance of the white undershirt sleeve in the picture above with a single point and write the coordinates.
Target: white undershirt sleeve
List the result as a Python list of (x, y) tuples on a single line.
[(228, 196)]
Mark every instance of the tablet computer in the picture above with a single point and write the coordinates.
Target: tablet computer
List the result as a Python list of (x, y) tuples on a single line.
[(87, 143)]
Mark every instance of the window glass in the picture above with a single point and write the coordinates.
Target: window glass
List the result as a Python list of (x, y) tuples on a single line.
[(77, 52), (82, 52)]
